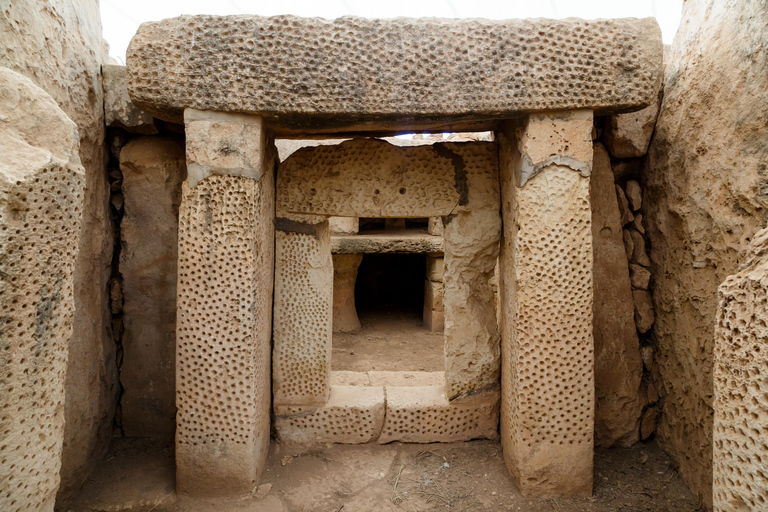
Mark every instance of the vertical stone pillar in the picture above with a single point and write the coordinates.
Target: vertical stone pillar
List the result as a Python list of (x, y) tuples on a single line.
[(434, 315), (344, 278), (547, 408), (224, 315)]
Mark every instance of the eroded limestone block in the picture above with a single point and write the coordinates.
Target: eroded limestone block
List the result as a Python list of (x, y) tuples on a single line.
[(119, 110), (41, 205), (344, 277), (365, 63), (344, 225), (153, 169), (303, 330), (618, 367), (226, 254), (434, 321), (626, 211), (433, 295), (644, 314), (435, 268), (634, 195), (424, 415), (640, 276), (628, 135), (547, 405), (352, 415), (380, 243), (222, 144), (639, 254), (435, 226), (741, 385)]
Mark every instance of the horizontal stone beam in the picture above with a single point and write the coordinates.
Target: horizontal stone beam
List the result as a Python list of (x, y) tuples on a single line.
[(399, 243), (315, 75)]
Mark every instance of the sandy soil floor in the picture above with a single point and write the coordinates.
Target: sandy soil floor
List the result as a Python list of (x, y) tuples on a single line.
[(138, 476), (390, 340)]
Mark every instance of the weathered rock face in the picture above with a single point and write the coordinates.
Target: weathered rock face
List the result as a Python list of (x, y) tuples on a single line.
[(60, 48), (41, 199), (314, 74), (706, 195), (153, 169), (740, 480), (344, 277), (618, 367), (628, 135), (119, 110)]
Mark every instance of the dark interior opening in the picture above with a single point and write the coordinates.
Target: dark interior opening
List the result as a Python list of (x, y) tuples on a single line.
[(379, 224), (392, 284)]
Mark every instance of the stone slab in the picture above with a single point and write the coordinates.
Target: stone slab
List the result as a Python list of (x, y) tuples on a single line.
[(352, 415), (353, 73), (119, 110), (424, 415), (398, 242)]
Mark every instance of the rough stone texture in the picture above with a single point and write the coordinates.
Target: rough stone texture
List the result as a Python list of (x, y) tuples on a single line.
[(406, 242), (618, 367), (60, 48), (424, 415), (41, 205), (634, 195), (303, 330), (387, 378), (119, 110), (226, 238), (311, 73), (344, 277), (433, 295), (435, 268), (435, 226), (352, 415), (706, 195), (434, 321), (639, 254), (628, 135), (548, 399), (740, 476), (459, 180), (153, 169), (223, 144), (644, 316), (626, 212), (640, 277), (344, 225)]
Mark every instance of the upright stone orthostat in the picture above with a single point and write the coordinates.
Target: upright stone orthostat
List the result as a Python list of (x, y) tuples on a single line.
[(547, 407), (41, 201), (740, 475), (226, 259)]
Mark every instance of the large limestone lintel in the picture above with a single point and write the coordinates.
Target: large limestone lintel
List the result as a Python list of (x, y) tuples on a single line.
[(301, 355), (547, 408), (224, 320), (311, 74), (740, 478), (41, 208), (223, 144)]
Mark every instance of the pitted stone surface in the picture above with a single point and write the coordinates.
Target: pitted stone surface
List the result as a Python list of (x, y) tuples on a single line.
[(41, 205), (741, 386), (547, 406), (223, 330), (315, 73), (301, 356)]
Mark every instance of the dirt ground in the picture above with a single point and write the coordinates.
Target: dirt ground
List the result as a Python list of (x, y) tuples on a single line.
[(390, 340), (138, 476)]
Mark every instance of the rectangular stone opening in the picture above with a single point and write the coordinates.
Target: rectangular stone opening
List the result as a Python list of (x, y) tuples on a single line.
[(373, 225), (390, 334)]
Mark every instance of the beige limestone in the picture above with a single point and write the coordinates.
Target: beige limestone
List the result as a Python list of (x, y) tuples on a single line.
[(406, 379), (224, 323), (547, 405), (638, 223), (406, 241), (646, 353), (618, 367), (629, 244), (434, 321), (628, 135), (61, 49), (626, 212), (639, 254), (344, 277), (435, 226), (644, 315), (435, 268), (41, 206), (424, 415), (344, 225), (349, 378), (223, 144), (740, 477), (303, 329), (153, 169), (705, 199), (640, 277), (433, 295), (352, 415), (273, 67), (634, 195), (119, 110)]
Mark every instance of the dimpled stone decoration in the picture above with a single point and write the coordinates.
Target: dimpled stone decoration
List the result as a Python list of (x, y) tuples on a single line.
[(311, 74)]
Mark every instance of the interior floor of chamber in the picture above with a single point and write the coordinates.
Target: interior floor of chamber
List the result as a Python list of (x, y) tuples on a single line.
[(391, 339)]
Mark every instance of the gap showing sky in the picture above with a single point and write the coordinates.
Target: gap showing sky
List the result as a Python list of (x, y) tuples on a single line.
[(121, 19)]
